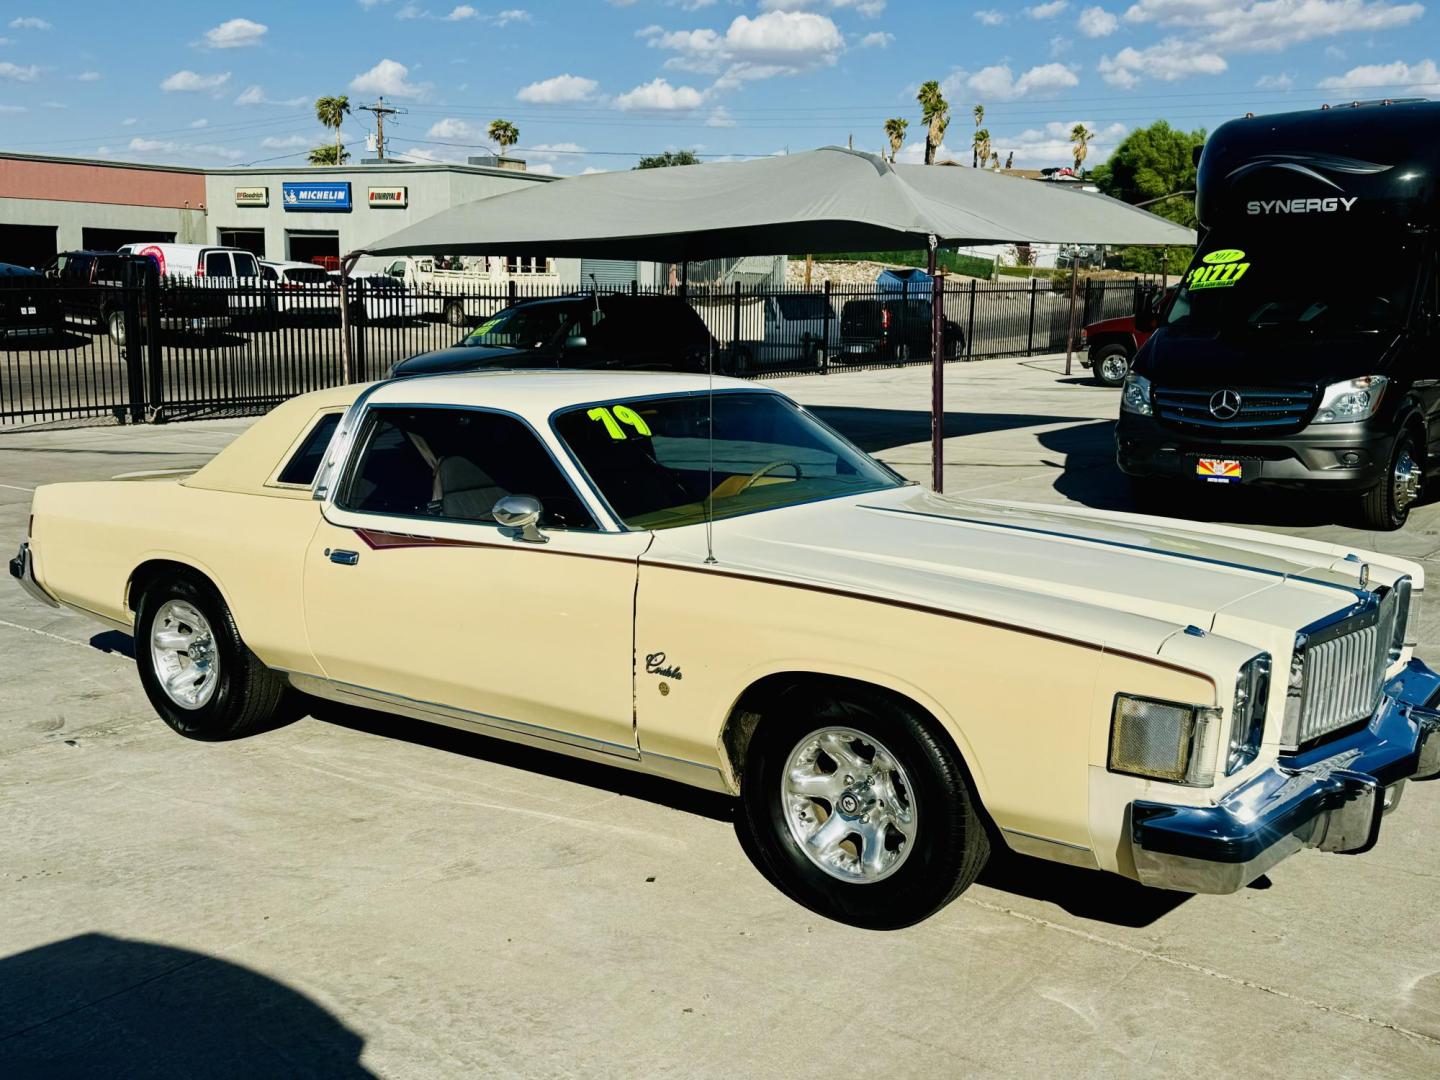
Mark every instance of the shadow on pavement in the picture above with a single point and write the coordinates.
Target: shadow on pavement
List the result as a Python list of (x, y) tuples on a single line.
[(883, 429), (102, 1006), (1086, 894), (113, 641)]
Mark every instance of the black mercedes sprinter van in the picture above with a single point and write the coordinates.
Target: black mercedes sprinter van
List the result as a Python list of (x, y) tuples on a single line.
[(1302, 348)]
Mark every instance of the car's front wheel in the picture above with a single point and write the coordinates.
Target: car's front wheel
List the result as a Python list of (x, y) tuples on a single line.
[(859, 809), (1110, 364), (197, 672)]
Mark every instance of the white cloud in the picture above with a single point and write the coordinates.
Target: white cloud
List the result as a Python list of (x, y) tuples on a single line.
[(720, 118), (987, 17), (53, 105), (508, 16), (389, 78), (453, 129), (560, 88), (877, 39), (13, 109), (1095, 22), (1272, 25), (1283, 81), (255, 95), (208, 151), (553, 151), (190, 82), (464, 11), (287, 142), (869, 8), (29, 22), (130, 121), (1169, 60), (658, 94), (998, 83), (772, 43), (1046, 11), (202, 122), (235, 34), (1050, 145), (17, 73), (88, 76), (411, 11), (914, 153), (1388, 79)]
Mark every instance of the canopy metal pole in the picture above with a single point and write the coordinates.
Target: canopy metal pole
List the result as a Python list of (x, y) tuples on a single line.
[(1070, 335), (347, 354), (937, 375)]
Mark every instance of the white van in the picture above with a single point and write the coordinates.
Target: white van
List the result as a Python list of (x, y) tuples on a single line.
[(221, 267), (300, 287)]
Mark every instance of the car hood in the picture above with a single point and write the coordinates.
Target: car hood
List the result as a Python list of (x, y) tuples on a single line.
[(1097, 577), (473, 358), (1177, 357), (1125, 324)]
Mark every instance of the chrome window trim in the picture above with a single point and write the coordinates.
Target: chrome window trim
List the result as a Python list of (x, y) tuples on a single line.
[(620, 522), (299, 444), (603, 522)]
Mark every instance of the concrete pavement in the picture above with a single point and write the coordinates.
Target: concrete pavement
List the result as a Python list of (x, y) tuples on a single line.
[(358, 895)]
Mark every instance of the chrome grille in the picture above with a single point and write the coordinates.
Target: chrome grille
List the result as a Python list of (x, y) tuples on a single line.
[(1259, 407), (1338, 668)]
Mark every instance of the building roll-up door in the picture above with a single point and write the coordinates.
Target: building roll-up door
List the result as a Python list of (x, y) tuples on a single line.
[(608, 273)]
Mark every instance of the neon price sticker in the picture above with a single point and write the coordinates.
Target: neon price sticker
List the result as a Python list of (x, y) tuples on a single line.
[(613, 417), (1221, 269)]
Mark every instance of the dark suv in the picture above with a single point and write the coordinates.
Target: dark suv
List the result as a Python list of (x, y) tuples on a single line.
[(92, 293), (635, 333), (892, 330)]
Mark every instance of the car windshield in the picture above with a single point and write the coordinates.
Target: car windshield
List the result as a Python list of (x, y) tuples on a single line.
[(1271, 285), (654, 461), (523, 327)]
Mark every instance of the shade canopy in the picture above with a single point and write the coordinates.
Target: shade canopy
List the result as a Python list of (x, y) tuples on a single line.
[(818, 201)]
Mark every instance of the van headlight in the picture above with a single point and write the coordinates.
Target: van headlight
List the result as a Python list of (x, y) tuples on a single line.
[(1164, 740), (1247, 717), (1351, 400), (1135, 395)]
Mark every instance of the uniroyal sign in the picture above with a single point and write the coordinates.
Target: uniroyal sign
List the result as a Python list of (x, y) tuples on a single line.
[(252, 196), (389, 196)]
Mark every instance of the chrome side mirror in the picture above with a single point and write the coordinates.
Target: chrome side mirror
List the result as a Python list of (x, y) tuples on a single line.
[(521, 512)]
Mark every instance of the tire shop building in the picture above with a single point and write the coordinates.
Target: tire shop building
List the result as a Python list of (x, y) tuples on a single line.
[(300, 213)]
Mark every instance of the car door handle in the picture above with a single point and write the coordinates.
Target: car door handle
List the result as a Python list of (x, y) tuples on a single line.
[(343, 557)]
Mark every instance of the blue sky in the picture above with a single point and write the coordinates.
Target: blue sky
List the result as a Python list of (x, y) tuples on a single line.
[(592, 83)]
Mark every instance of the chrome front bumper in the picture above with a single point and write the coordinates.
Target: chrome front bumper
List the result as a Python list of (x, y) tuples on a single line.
[(22, 569), (1331, 798)]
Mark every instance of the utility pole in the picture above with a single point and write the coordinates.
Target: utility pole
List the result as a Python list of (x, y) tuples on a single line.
[(381, 110)]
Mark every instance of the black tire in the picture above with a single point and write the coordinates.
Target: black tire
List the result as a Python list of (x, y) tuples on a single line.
[(1110, 357), (455, 313), (902, 353), (950, 842), (1386, 506), (246, 697)]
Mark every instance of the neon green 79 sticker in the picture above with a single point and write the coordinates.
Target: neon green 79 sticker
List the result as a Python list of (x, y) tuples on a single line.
[(613, 417)]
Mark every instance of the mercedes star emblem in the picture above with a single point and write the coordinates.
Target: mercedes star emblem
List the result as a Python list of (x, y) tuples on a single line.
[(1225, 404)]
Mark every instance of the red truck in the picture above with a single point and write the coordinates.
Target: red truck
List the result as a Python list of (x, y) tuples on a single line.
[(1109, 346)]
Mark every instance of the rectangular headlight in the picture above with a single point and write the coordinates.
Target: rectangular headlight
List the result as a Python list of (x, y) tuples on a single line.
[(1247, 717), (1164, 740)]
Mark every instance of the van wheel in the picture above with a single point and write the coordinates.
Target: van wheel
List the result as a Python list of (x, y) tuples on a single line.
[(902, 353), (115, 326), (857, 809), (1386, 506), (1110, 364), (197, 672), (455, 313)]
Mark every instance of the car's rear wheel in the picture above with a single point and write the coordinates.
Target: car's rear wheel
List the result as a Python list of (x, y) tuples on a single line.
[(455, 313), (1110, 365), (115, 327), (197, 672), (1387, 505), (859, 809), (902, 353)]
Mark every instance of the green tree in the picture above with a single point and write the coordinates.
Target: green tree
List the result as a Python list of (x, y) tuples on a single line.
[(503, 132), (979, 114), (329, 155), (895, 131), (1151, 163), (935, 114), (331, 112), (668, 158), (1080, 137)]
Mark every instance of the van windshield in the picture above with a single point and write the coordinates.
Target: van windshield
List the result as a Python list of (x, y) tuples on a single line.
[(1273, 285)]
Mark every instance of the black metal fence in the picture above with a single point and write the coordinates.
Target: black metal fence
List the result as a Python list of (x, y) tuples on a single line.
[(173, 349)]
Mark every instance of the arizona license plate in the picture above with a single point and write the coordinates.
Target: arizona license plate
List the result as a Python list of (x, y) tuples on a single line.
[(1218, 470)]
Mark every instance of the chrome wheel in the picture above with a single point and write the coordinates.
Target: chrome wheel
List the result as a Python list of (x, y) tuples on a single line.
[(849, 805), (182, 650), (1408, 477), (1114, 368)]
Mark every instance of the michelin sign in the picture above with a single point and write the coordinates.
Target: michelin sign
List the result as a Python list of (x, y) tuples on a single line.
[(316, 195)]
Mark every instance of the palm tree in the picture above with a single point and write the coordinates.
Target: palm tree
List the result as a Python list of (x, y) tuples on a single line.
[(505, 133), (981, 147), (331, 112), (1080, 135), (1010, 161), (979, 113), (935, 112), (994, 160), (329, 155), (895, 132)]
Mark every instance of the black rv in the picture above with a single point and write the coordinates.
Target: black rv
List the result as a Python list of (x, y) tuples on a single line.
[(1303, 346)]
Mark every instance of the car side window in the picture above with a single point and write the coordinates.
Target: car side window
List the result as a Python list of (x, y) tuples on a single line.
[(305, 462), (217, 264), (455, 465)]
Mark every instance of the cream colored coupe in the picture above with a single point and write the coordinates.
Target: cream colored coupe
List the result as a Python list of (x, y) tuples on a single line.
[(714, 587)]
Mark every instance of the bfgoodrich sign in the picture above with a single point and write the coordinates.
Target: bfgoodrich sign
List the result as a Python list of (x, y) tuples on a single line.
[(316, 195), (388, 196), (252, 196)]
